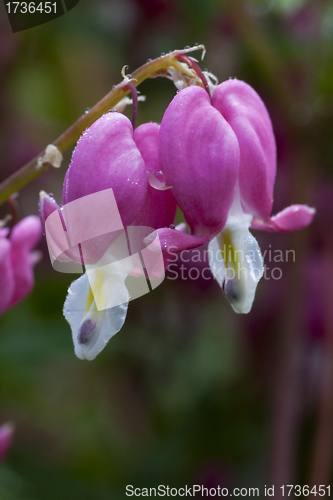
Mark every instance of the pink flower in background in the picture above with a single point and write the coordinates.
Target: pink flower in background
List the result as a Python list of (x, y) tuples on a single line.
[(219, 155), (17, 260), (6, 437)]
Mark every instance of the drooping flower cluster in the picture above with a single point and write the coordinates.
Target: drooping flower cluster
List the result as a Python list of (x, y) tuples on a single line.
[(215, 157), (17, 260), (219, 155)]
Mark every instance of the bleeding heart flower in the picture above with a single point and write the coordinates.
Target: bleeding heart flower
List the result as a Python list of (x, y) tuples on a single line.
[(220, 157), (17, 260), (109, 155)]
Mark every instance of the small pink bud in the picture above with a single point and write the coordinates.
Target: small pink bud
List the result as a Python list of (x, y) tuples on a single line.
[(6, 437)]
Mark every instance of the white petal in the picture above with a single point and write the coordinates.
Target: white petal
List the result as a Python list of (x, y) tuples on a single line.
[(216, 261), (92, 329), (244, 271), (235, 259), (107, 282)]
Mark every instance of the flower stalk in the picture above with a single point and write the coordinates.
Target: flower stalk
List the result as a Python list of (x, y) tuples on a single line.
[(152, 69), (192, 64), (134, 93)]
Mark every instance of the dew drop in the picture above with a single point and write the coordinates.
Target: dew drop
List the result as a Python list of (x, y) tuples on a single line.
[(157, 181)]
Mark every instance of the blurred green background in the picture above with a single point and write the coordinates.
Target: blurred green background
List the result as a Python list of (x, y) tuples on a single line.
[(188, 392)]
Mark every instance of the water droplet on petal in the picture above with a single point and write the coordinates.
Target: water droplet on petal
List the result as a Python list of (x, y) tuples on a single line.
[(157, 181)]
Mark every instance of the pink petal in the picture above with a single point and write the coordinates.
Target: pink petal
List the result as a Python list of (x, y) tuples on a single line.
[(6, 275), (172, 240), (291, 218), (159, 209), (4, 231), (26, 233), (146, 139), (200, 157), (47, 205), (243, 109), (23, 238), (55, 233), (106, 156)]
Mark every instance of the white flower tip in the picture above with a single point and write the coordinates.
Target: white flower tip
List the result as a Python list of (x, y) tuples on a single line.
[(35, 257), (181, 227), (91, 330), (120, 107), (7, 428), (240, 277), (238, 296), (86, 331), (86, 339)]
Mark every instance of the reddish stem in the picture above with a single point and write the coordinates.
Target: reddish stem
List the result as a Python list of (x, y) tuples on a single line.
[(192, 64), (134, 93), (14, 209)]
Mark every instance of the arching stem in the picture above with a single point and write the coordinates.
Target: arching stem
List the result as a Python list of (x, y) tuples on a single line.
[(152, 69)]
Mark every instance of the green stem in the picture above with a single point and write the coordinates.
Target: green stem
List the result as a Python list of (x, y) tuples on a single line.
[(152, 69)]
